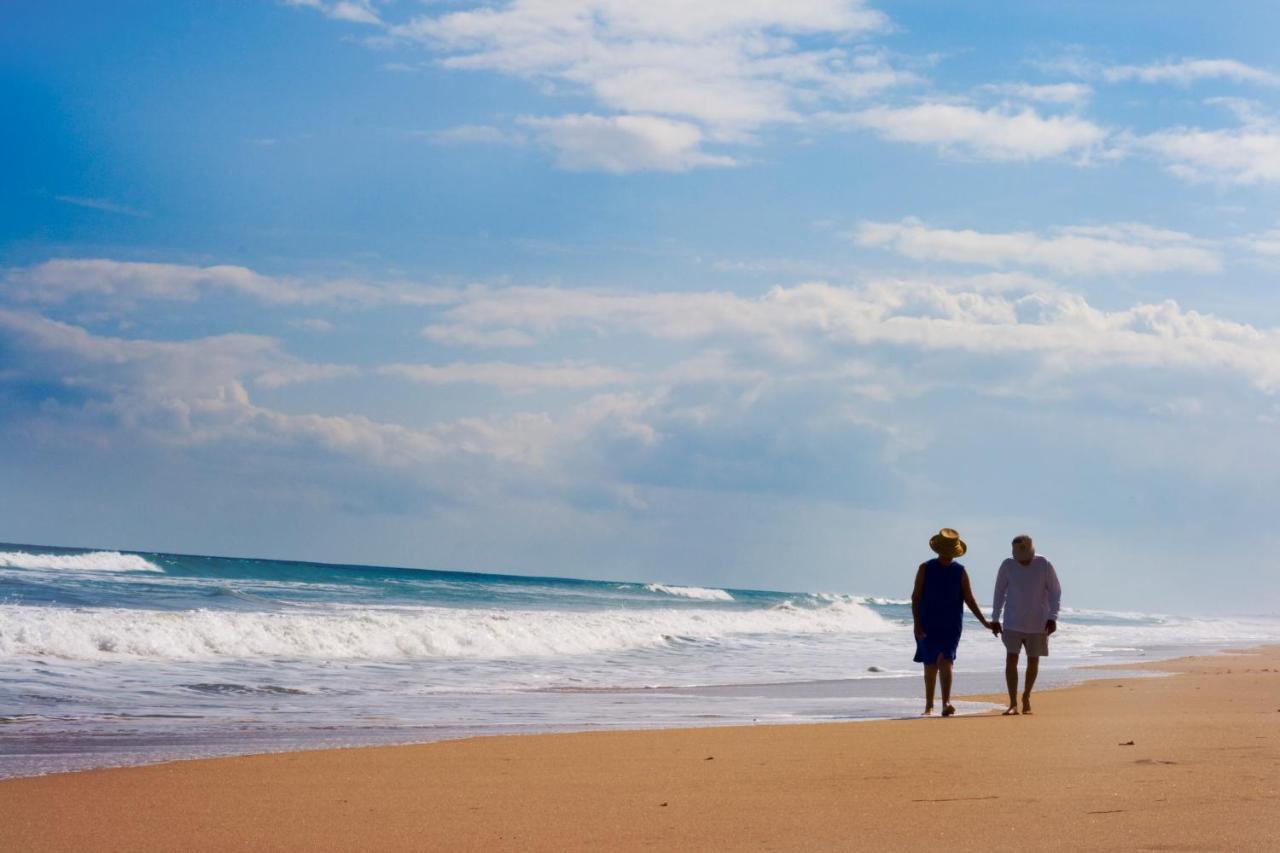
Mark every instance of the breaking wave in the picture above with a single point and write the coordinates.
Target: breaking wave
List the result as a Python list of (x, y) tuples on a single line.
[(94, 561), (861, 599), (696, 592), (431, 632)]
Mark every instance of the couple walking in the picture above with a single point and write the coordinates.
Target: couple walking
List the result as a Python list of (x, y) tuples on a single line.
[(1028, 593)]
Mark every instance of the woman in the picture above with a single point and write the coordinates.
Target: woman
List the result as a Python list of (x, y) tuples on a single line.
[(937, 606)]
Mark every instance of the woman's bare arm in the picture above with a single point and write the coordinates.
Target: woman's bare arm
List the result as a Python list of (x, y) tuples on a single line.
[(916, 594), (969, 600)]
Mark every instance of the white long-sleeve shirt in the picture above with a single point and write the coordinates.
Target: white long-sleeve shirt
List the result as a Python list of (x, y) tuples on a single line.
[(1028, 595)]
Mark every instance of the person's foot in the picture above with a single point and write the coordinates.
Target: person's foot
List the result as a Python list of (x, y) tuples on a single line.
[(927, 712), (1011, 711), (1026, 704), (948, 710)]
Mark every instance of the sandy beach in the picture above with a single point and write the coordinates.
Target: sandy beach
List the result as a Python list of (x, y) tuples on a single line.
[(1189, 762)]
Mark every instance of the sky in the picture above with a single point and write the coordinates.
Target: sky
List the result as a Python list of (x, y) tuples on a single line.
[(730, 293)]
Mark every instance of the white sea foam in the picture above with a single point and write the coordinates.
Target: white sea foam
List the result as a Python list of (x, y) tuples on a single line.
[(863, 599), (429, 632), (697, 592), (1113, 616), (94, 561)]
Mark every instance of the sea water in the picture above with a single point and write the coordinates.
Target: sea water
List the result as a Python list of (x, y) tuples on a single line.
[(110, 658)]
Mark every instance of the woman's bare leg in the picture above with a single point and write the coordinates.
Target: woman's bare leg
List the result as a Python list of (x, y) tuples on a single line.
[(930, 678), (944, 675)]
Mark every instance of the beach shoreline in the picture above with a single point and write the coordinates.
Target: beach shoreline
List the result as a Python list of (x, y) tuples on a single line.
[(1189, 762), (115, 660), (969, 701)]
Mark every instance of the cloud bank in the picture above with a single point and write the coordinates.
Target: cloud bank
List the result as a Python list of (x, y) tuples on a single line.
[(1082, 250)]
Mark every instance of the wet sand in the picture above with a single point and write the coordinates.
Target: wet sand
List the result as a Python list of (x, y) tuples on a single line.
[(1189, 762)]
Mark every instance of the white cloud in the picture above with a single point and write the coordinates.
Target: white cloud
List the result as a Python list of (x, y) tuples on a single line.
[(996, 313), (1179, 407), (1056, 329), (353, 11), (484, 338), (999, 282), (509, 376), (1181, 72), (1242, 156), (1017, 282), (628, 143), (57, 281), (292, 374), (543, 311), (746, 392), (473, 134), (165, 369), (790, 267), (674, 77), (102, 204), (1112, 249), (312, 324), (221, 358), (726, 64), (992, 134), (1184, 72), (357, 11), (667, 76), (1267, 243), (190, 393), (1070, 94)]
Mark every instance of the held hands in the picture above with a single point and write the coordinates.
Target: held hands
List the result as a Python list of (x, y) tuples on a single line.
[(995, 628), (1050, 627)]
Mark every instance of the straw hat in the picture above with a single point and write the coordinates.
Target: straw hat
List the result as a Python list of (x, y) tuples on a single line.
[(1023, 547), (947, 543)]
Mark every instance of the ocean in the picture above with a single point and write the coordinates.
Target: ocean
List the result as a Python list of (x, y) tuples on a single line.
[(111, 658)]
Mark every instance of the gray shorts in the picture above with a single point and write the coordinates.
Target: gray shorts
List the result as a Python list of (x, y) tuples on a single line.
[(1037, 645)]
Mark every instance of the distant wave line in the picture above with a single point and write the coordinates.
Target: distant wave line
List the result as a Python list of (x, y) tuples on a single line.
[(94, 561)]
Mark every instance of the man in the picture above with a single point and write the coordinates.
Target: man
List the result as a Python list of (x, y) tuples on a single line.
[(1028, 593)]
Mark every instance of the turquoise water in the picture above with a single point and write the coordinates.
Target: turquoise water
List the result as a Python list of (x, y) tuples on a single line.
[(115, 658)]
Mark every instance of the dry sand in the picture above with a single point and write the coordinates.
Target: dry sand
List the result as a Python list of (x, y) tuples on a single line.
[(1190, 762)]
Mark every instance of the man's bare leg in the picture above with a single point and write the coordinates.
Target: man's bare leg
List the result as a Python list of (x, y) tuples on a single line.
[(1011, 681), (1033, 668), (944, 675), (930, 678)]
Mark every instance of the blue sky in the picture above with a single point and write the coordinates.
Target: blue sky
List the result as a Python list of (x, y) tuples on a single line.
[(745, 294)]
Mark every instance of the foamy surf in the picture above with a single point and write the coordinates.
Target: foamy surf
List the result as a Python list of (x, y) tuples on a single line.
[(382, 634), (93, 561), (106, 660)]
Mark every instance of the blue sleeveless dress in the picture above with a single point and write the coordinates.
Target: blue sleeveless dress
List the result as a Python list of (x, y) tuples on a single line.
[(941, 612)]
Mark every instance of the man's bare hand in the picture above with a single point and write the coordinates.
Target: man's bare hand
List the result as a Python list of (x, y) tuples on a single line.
[(919, 633), (995, 628), (1050, 627)]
